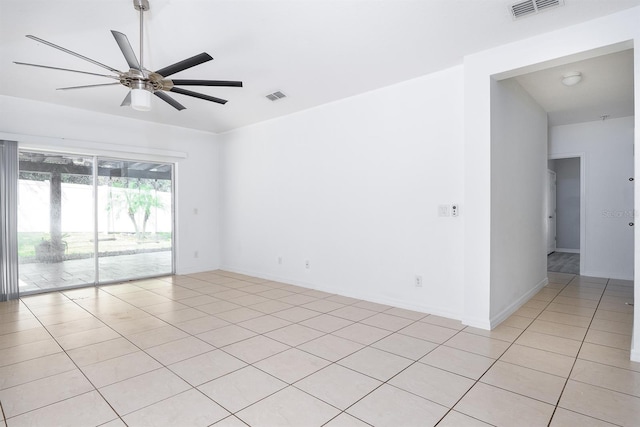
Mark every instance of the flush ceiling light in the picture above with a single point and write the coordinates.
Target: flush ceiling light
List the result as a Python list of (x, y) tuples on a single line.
[(572, 78)]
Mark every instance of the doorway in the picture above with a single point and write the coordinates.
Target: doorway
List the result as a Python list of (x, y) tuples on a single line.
[(568, 198)]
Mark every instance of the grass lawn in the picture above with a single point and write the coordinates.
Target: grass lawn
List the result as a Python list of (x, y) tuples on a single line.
[(82, 243)]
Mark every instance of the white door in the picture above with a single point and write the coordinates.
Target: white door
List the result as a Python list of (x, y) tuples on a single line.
[(551, 212)]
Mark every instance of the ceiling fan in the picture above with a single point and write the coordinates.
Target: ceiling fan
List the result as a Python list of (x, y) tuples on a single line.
[(141, 81)]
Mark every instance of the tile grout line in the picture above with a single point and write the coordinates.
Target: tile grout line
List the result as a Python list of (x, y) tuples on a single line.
[(233, 414), (385, 382), (72, 361), (330, 361), (389, 379), (577, 355), (252, 364), (163, 366), (144, 351), (4, 417), (496, 360), (215, 347)]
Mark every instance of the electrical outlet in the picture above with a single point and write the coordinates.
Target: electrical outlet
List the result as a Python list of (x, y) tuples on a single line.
[(280, 260), (455, 210), (418, 281), (307, 265), (196, 254), (443, 210)]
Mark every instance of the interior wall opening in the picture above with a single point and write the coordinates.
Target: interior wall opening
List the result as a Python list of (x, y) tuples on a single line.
[(590, 123)]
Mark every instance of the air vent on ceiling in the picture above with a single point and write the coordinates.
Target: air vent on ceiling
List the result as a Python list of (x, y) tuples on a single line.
[(275, 96), (530, 7)]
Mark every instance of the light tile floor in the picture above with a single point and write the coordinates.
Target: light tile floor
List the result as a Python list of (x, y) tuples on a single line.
[(223, 349)]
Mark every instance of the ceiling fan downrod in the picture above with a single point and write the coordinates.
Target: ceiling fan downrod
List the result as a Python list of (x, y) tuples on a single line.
[(141, 90), (141, 6)]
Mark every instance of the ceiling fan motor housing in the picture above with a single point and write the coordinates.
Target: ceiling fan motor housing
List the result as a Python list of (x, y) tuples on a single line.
[(135, 79), (141, 84)]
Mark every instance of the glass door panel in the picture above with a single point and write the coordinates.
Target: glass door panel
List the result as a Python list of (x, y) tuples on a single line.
[(55, 221), (135, 222)]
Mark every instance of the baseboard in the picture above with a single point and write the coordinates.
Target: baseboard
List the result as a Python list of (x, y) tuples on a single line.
[(437, 311), (610, 275), (477, 322), (569, 251), (513, 307), (192, 269)]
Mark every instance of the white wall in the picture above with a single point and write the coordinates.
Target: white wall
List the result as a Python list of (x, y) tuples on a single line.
[(47, 126), (518, 184), (608, 157), (568, 204), (354, 187)]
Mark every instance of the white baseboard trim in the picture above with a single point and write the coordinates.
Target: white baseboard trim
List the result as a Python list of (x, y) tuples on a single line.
[(514, 306), (366, 296), (604, 274), (184, 270), (477, 322), (569, 251)]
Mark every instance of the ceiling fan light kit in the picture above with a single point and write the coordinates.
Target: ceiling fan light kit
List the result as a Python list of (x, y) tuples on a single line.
[(142, 82), (140, 97)]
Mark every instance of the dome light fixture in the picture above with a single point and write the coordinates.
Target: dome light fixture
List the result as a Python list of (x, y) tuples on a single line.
[(572, 78)]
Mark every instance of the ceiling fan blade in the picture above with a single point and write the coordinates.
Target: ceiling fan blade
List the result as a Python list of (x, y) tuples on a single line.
[(198, 95), (226, 83), (127, 100), (127, 50), (55, 46), (66, 69), (184, 64), (87, 86), (169, 100)]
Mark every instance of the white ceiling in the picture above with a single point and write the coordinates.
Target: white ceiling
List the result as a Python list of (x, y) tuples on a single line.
[(606, 89), (315, 51)]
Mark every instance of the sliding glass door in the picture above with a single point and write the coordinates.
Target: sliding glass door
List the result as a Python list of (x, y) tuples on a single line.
[(55, 221), (134, 219), (84, 220)]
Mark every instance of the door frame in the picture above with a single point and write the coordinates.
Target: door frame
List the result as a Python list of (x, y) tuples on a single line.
[(583, 205), (552, 197)]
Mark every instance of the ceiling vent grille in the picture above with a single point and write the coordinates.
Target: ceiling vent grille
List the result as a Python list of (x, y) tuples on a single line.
[(276, 96), (531, 7)]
